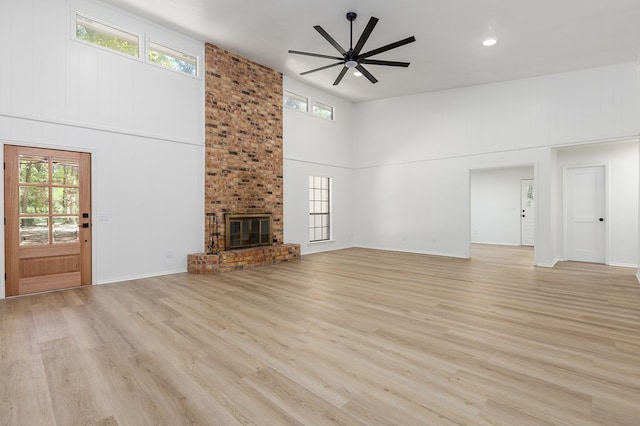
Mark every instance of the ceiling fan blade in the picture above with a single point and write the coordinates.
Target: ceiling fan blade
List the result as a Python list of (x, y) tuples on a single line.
[(366, 73), (330, 39), (388, 63), (322, 68), (342, 73), (365, 35), (317, 55), (387, 47)]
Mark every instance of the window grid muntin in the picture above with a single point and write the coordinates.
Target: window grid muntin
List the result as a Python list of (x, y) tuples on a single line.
[(49, 218), (319, 208)]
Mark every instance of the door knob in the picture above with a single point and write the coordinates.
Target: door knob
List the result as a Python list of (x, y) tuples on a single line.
[(601, 219)]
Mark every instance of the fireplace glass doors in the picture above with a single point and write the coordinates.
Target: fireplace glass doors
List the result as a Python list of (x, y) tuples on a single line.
[(247, 230)]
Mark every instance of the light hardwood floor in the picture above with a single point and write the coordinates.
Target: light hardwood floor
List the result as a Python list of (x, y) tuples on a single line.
[(347, 337)]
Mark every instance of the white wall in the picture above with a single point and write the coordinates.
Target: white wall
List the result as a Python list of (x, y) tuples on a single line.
[(317, 147), (496, 205), (143, 125), (620, 160), (412, 154)]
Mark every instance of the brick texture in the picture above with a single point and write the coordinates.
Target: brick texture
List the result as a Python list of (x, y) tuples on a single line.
[(232, 260), (243, 140), (244, 158)]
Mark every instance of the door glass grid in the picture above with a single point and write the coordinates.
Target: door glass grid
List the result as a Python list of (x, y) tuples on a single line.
[(48, 200)]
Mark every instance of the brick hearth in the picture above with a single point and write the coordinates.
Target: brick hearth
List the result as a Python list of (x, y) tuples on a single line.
[(231, 260)]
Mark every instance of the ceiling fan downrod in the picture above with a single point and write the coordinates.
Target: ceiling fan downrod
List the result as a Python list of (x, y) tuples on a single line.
[(350, 62)]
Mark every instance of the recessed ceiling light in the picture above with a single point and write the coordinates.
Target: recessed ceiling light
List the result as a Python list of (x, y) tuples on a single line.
[(489, 42), (357, 73)]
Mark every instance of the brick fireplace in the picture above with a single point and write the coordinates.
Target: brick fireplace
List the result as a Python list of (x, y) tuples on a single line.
[(244, 160)]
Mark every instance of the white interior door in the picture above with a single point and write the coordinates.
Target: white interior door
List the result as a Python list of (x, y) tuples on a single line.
[(528, 213), (585, 225)]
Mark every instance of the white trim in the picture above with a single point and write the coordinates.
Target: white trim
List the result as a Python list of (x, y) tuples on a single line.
[(141, 276), (549, 265), (426, 253), (499, 244), (623, 265), (97, 128), (628, 138), (313, 243)]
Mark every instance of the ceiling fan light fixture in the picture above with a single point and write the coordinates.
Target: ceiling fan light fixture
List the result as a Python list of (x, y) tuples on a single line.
[(354, 58), (489, 42)]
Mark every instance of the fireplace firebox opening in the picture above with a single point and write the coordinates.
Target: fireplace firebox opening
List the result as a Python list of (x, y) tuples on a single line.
[(247, 230)]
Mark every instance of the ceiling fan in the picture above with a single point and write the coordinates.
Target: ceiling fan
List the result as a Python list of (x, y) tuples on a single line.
[(352, 58)]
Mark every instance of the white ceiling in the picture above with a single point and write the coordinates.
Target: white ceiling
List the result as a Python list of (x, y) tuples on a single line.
[(535, 37)]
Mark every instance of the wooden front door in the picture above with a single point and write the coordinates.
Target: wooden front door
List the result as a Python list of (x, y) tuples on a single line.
[(47, 201)]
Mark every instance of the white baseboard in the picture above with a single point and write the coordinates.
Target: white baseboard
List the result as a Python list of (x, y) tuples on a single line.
[(623, 265), (499, 244), (550, 264), (138, 277)]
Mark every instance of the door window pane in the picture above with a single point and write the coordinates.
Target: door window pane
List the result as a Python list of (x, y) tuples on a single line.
[(65, 200), (65, 229), (34, 169), (33, 200), (65, 173), (34, 230)]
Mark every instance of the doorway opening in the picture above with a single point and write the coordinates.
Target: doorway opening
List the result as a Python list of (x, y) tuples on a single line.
[(502, 206)]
